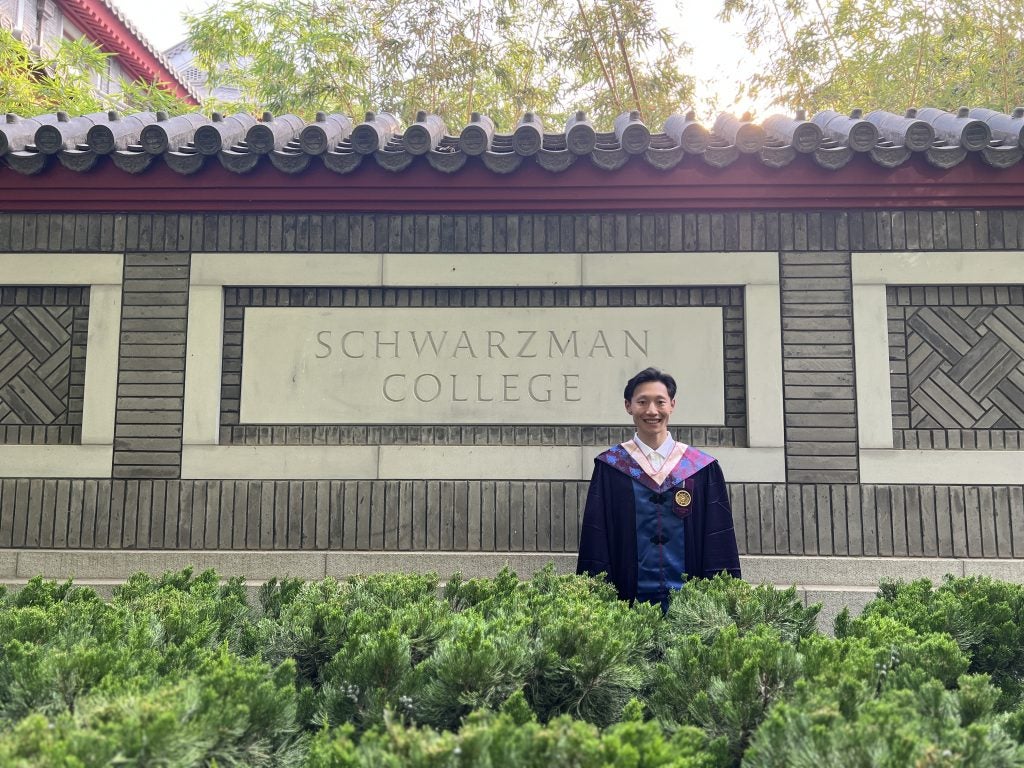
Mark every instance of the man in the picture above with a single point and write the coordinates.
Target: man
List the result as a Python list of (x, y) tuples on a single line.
[(657, 510)]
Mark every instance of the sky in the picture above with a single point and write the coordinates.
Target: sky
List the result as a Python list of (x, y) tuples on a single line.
[(717, 48)]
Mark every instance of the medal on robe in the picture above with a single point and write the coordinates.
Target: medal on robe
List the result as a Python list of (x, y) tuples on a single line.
[(683, 502)]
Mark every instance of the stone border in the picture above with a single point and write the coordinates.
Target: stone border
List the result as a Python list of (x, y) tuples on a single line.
[(377, 300), (457, 462), (204, 458), (872, 273), (103, 273), (808, 571), (887, 467)]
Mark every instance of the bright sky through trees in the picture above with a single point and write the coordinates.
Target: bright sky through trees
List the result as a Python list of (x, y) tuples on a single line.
[(719, 59)]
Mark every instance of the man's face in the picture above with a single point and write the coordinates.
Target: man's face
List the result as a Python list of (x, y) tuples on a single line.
[(650, 408)]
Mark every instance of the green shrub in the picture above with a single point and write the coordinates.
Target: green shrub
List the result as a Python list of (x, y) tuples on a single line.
[(591, 656), (926, 726), (725, 686), (229, 712), (495, 740), (704, 607), (387, 670), (480, 664), (885, 653), (985, 617), (57, 644), (729, 653)]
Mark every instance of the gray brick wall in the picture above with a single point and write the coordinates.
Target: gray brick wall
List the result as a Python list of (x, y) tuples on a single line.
[(880, 520), (511, 233), (488, 516), (821, 510), (492, 516)]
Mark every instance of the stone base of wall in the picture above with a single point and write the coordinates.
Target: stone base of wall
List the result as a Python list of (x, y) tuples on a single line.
[(835, 582)]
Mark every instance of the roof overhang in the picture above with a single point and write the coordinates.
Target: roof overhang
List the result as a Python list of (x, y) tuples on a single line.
[(114, 34)]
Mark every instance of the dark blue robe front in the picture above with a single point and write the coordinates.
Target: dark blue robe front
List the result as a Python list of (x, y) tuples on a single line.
[(608, 540)]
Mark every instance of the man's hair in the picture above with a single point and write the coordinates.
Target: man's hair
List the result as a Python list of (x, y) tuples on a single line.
[(650, 374)]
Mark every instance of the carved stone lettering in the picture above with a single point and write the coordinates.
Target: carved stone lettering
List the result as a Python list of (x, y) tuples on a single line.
[(474, 366)]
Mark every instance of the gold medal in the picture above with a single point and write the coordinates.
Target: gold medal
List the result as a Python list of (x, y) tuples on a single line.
[(683, 498)]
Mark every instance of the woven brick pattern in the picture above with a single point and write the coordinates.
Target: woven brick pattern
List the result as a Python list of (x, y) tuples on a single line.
[(957, 358), (42, 364)]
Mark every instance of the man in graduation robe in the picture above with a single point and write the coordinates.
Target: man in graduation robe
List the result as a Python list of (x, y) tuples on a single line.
[(657, 510)]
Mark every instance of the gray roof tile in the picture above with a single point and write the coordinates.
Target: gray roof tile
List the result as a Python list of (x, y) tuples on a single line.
[(291, 145)]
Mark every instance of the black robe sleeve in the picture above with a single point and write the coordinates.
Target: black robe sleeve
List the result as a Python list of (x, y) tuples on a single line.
[(608, 533), (594, 557), (719, 552)]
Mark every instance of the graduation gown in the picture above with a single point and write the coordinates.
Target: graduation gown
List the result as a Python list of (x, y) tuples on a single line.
[(692, 489)]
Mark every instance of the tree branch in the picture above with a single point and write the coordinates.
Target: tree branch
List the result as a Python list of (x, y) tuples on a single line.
[(917, 67), (476, 56), (791, 51), (625, 57), (609, 80)]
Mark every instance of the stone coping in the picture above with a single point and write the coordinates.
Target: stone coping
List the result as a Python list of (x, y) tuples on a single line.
[(811, 573)]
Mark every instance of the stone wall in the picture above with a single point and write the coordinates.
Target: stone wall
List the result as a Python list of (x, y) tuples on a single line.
[(874, 383)]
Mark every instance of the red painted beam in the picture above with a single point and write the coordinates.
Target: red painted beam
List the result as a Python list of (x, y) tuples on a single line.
[(114, 36), (693, 185)]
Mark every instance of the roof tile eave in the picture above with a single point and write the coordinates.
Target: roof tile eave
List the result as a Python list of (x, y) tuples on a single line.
[(291, 143)]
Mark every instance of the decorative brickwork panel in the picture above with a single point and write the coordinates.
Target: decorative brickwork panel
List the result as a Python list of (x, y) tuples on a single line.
[(407, 515), (957, 361), (817, 350), (151, 367), (879, 520), (43, 333), (491, 516), (898, 230), (237, 299)]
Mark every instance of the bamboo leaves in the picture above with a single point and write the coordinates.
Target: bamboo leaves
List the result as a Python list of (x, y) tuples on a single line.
[(64, 79), (499, 57), (884, 54)]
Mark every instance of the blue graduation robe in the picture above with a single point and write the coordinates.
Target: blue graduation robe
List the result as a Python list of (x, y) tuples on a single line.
[(694, 492)]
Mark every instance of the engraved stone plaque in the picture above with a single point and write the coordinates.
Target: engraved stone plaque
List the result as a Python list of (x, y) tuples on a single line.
[(474, 366)]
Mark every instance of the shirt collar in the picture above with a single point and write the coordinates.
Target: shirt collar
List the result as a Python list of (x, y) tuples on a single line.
[(662, 450)]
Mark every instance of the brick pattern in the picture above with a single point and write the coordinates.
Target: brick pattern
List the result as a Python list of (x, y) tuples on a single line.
[(880, 520), (477, 233), (497, 435), (43, 333), (237, 299), (820, 511), (511, 233), (500, 516), (957, 361), (491, 516), (151, 366), (959, 439), (817, 351)]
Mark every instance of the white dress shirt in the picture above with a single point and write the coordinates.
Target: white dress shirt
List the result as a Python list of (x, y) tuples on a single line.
[(656, 456)]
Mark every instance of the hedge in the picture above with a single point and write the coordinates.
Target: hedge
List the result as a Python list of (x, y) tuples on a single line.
[(393, 670)]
